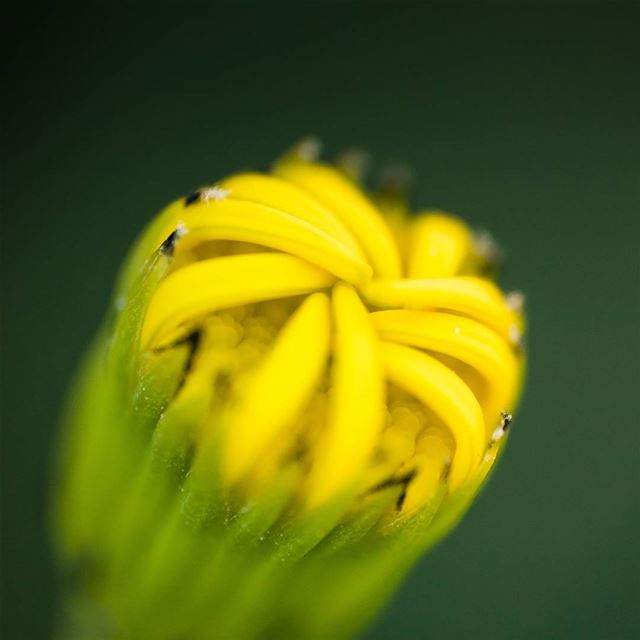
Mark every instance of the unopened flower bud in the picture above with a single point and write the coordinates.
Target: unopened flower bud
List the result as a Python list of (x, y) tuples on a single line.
[(291, 399)]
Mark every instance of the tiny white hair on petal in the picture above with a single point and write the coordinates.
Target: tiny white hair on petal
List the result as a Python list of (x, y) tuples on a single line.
[(119, 303), (485, 243), (515, 300), (354, 161), (499, 432), (309, 149), (181, 230), (515, 335), (215, 193)]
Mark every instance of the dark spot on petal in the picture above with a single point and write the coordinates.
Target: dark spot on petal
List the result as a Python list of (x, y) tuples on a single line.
[(192, 342), (194, 196), (506, 420), (169, 245), (399, 481)]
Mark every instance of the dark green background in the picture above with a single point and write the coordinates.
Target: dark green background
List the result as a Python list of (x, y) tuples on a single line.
[(523, 118)]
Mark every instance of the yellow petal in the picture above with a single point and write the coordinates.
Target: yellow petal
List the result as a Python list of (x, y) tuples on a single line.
[(357, 402), (473, 297), (440, 243), (204, 287), (394, 448), (433, 454), (278, 391), (256, 223), (352, 207), (279, 194), (444, 393), (463, 339)]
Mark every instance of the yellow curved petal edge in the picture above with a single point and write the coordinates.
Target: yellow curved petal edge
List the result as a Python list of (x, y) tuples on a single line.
[(356, 405), (220, 283)]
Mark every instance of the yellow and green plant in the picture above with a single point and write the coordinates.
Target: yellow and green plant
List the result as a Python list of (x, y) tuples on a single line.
[(298, 390)]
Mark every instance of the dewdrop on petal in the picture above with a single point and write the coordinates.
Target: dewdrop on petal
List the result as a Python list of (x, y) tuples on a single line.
[(299, 390)]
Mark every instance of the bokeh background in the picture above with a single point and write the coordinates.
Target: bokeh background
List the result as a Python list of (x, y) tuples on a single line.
[(524, 118)]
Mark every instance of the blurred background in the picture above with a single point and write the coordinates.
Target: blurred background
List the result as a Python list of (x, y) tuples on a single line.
[(523, 118)]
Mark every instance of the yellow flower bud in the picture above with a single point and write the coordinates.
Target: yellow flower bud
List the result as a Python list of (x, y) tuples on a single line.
[(299, 385)]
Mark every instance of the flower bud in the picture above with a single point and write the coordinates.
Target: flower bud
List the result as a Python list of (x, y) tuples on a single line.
[(298, 390)]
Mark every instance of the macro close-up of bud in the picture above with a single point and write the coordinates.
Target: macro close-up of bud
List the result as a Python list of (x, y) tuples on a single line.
[(319, 322), (299, 388)]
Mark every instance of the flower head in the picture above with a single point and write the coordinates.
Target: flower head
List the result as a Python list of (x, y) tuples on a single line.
[(296, 368)]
